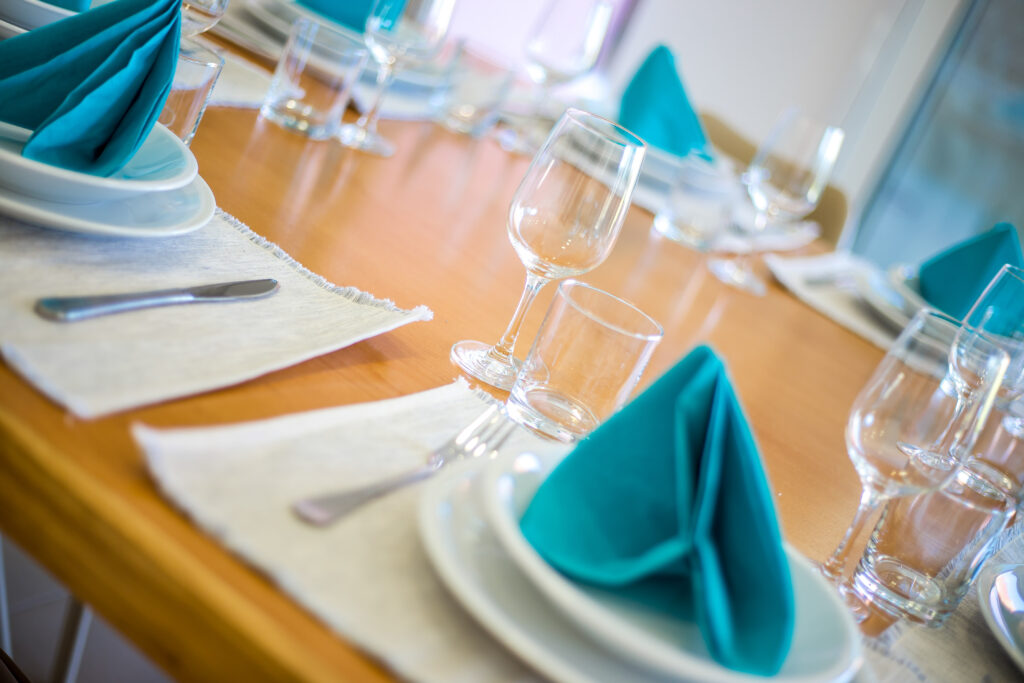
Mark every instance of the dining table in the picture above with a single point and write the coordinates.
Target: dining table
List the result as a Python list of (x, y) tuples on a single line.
[(426, 226)]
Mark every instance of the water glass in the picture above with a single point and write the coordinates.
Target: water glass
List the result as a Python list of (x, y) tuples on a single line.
[(195, 76), (313, 81), (699, 207), (476, 86), (585, 362), (926, 550)]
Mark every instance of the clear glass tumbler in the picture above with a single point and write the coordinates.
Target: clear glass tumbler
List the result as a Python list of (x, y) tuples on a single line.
[(926, 550), (477, 84), (195, 76), (585, 362), (313, 81)]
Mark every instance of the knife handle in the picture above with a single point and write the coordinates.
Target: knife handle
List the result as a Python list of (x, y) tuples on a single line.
[(68, 309)]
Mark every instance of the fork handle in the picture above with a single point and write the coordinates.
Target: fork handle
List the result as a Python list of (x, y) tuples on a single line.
[(322, 510)]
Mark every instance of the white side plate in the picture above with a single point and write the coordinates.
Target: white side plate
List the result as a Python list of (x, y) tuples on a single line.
[(486, 582), (826, 642), (162, 163), (158, 214)]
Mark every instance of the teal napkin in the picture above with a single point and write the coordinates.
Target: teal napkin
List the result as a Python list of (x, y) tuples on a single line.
[(73, 5), (953, 279), (655, 107), (667, 503), (350, 13), (91, 86)]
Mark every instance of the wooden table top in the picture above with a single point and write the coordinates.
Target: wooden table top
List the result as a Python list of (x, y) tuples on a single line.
[(424, 227)]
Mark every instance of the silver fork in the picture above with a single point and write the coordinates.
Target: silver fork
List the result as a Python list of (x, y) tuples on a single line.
[(483, 436)]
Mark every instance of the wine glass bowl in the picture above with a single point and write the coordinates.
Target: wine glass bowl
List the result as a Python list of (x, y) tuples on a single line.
[(922, 409), (566, 40), (397, 32), (784, 181), (563, 221), (199, 16)]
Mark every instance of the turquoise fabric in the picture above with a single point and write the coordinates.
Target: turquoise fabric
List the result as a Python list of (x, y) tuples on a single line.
[(655, 107), (953, 279), (91, 86), (73, 5), (667, 504), (350, 13)]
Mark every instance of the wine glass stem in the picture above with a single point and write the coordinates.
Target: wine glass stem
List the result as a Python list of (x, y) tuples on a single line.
[(503, 349), (834, 567), (385, 74)]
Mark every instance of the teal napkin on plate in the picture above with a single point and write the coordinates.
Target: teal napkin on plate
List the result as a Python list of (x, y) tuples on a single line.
[(667, 504), (953, 279), (655, 107), (350, 13), (91, 86)]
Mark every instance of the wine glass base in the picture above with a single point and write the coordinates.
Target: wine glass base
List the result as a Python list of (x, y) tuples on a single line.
[(374, 143), (738, 274), (474, 359)]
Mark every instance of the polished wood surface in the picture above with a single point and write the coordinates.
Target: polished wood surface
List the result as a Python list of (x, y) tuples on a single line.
[(425, 227)]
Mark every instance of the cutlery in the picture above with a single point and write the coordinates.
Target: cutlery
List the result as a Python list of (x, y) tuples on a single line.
[(484, 436), (69, 309)]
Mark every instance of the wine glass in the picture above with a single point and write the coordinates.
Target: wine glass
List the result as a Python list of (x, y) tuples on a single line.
[(198, 16), (785, 180), (923, 407), (999, 313), (397, 32), (565, 43), (563, 221)]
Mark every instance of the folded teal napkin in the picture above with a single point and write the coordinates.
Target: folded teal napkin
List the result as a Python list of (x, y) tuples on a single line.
[(73, 5), (91, 86), (350, 13), (667, 503), (953, 279), (655, 107)]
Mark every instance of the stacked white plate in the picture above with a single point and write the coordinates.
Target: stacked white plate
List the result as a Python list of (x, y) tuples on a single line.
[(157, 194), (469, 523)]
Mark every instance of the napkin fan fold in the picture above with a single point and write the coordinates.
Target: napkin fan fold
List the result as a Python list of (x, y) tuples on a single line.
[(667, 503), (954, 278), (655, 106), (91, 86)]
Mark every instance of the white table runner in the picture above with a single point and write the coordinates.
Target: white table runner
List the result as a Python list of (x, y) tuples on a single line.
[(367, 577), (828, 284), (109, 364)]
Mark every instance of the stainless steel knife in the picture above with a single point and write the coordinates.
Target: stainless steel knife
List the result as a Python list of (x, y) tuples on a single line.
[(69, 309)]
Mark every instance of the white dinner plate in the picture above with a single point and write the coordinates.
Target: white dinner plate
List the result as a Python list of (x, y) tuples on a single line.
[(157, 214), (30, 14), (826, 642), (486, 582), (162, 163)]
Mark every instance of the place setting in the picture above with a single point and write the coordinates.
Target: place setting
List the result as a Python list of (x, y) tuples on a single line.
[(489, 517), (108, 227)]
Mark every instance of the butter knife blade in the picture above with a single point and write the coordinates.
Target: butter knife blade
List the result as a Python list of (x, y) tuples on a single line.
[(69, 309)]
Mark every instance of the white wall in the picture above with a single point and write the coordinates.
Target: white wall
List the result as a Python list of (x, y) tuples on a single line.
[(858, 63)]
